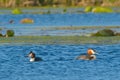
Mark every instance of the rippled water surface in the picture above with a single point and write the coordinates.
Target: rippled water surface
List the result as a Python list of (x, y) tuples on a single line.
[(59, 62), (58, 20)]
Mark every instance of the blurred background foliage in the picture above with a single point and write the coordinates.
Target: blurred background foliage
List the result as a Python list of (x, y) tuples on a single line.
[(57, 3)]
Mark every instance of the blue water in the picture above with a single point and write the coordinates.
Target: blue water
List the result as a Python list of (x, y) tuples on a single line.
[(59, 62), (57, 20)]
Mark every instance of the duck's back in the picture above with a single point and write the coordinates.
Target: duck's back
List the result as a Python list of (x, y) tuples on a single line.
[(83, 57)]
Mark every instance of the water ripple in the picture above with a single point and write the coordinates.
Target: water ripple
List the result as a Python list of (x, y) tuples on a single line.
[(59, 62)]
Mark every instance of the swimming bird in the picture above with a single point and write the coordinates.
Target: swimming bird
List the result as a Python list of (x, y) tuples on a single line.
[(11, 21), (90, 55), (32, 56)]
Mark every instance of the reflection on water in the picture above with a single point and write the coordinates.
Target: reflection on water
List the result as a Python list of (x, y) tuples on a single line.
[(59, 62)]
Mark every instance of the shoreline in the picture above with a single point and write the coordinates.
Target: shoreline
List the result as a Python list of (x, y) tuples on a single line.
[(61, 31), (60, 40), (63, 27), (49, 10), (49, 7)]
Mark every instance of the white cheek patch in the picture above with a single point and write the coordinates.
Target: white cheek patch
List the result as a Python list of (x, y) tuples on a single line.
[(93, 52), (30, 55)]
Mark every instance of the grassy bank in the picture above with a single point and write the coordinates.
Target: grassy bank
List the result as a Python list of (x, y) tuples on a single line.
[(55, 10), (60, 40), (80, 27)]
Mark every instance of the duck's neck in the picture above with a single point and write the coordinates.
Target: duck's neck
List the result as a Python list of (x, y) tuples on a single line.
[(92, 57), (32, 59)]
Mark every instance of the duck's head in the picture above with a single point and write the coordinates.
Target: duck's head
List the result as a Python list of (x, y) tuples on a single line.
[(31, 54), (90, 51)]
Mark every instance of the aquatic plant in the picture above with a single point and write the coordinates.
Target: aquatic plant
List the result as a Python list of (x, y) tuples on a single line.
[(48, 12), (60, 40), (10, 33), (64, 10), (27, 21), (88, 9), (102, 10), (1, 35), (104, 32), (17, 11), (117, 34), (98, 9)]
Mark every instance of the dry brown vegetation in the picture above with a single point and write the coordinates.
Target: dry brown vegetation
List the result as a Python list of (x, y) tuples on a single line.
[(58, 3)]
